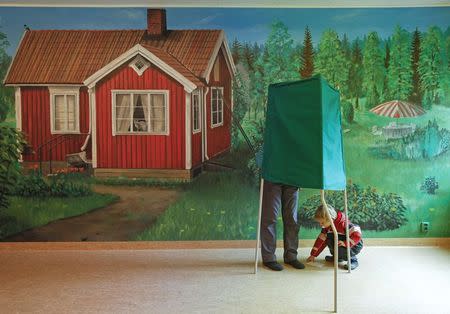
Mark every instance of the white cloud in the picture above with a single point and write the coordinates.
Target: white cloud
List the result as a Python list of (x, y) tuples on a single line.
[(347, 16)]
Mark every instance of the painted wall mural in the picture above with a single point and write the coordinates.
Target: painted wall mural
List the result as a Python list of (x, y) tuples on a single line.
[(127, 119)]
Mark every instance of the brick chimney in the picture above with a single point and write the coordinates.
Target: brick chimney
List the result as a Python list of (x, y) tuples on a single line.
[(156, 22)]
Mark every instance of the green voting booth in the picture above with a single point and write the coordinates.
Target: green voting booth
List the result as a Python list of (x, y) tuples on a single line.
[(303, 143)]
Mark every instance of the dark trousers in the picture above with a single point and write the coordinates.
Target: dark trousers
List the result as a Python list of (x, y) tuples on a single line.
[(276, 196), (342, 251)]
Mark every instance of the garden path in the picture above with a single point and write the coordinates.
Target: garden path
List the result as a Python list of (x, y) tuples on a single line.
[(136, 210)]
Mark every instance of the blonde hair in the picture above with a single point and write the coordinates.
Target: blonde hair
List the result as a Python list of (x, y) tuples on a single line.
[(321, 214)]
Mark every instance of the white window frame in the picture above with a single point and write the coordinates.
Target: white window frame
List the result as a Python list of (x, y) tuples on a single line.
[(64, 91), (135, 68), (221, 116), (196, 130), (139, 91)]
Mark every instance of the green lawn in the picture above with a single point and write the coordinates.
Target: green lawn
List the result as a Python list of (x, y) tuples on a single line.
[(225, 205), (34, 212)]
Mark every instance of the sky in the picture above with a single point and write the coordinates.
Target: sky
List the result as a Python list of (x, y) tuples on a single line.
[(252, 25)]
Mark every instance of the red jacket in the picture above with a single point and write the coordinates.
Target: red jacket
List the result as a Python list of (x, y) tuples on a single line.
[(339, 223)]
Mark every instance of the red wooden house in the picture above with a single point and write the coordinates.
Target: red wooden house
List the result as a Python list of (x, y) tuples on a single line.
[(152, 102)]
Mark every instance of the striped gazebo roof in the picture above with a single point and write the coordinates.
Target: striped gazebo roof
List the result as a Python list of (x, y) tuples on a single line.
[(398, 109)]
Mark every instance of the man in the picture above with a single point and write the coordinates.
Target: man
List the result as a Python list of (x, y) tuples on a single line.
[(278, 196)]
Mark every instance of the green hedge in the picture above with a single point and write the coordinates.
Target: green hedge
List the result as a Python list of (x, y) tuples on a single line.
[(35, 185), (367, 208)]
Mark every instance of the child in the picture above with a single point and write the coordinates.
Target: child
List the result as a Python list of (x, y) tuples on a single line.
[(326, 237)]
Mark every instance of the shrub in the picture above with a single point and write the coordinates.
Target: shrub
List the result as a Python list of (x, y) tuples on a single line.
[(35, 185), (11, 145), (430, 185), (347, 111), (367, 208), (424, 143)]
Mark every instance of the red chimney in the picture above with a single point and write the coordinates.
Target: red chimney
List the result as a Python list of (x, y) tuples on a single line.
[(156, 22)]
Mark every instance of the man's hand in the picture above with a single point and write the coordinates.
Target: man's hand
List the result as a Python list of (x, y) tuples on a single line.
[(310, 259), (341, 243)]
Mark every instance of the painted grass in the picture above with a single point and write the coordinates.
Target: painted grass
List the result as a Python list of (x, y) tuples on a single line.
[(35, 212), (225, 207)]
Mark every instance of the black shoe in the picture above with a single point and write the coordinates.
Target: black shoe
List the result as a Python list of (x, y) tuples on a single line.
[(353, 265), (330, 259), (296, 264), (273, 265)]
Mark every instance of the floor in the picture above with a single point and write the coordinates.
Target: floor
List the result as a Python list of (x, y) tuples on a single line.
[(389, 280)]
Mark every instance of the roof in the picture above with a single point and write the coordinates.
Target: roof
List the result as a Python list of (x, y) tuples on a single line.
[(71, 56)]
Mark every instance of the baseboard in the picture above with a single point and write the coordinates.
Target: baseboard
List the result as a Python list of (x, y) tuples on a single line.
[(175, 245)]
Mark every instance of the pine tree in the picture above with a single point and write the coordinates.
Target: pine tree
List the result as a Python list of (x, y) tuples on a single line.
[(415, 96), (6, 93), (387, 57), (399, 72), (374, 71), (356, 74), (248, 57), (330, 60), (236, 48), (307, 56), (430, 67)]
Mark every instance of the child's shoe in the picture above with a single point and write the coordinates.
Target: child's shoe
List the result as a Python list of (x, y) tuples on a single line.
[(330, 258), (353, 264)]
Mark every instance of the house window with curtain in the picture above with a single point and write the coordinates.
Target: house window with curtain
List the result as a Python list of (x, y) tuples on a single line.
[(216, 106), (65, 110), (140, 112), (195, 112)]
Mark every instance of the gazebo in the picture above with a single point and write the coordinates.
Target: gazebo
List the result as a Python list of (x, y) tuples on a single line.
[(303, 144)]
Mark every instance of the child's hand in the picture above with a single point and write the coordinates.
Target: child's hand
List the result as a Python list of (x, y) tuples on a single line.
[(341, 243), (310, 259)]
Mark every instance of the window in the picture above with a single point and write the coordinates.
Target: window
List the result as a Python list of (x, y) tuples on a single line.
[(216, 106), (196, 112), (140, 112), (64, 110), (139, 64)]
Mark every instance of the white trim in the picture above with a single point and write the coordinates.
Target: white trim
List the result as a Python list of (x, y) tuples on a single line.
[(228, 57), (202, 124), (138, 49), (93, 121), (13, 57), (205, 125), (64, 91), (221, 94), (18, 108), (194, 130), (135, 68), (115, 92), (228, 3), (188, 141)]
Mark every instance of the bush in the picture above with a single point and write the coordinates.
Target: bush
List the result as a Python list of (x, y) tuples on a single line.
[(424, 143), (11, 145), (430, 185), (367, 208), (35, 185), (347, 111)]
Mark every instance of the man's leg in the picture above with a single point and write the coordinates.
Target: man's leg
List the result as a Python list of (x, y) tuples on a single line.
[(290, 222), (270, 207)]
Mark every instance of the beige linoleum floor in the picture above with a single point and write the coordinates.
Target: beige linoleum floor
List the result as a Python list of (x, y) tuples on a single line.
[(389, 280)]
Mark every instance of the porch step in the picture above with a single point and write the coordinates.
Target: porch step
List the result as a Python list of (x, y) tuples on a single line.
[(78, 159)]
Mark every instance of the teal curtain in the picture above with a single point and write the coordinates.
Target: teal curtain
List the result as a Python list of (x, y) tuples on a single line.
[(303, 135)]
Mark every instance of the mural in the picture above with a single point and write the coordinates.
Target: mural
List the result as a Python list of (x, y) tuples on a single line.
[(149, 133)]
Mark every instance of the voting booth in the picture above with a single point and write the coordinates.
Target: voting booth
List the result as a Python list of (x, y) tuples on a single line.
[(303, 144)]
